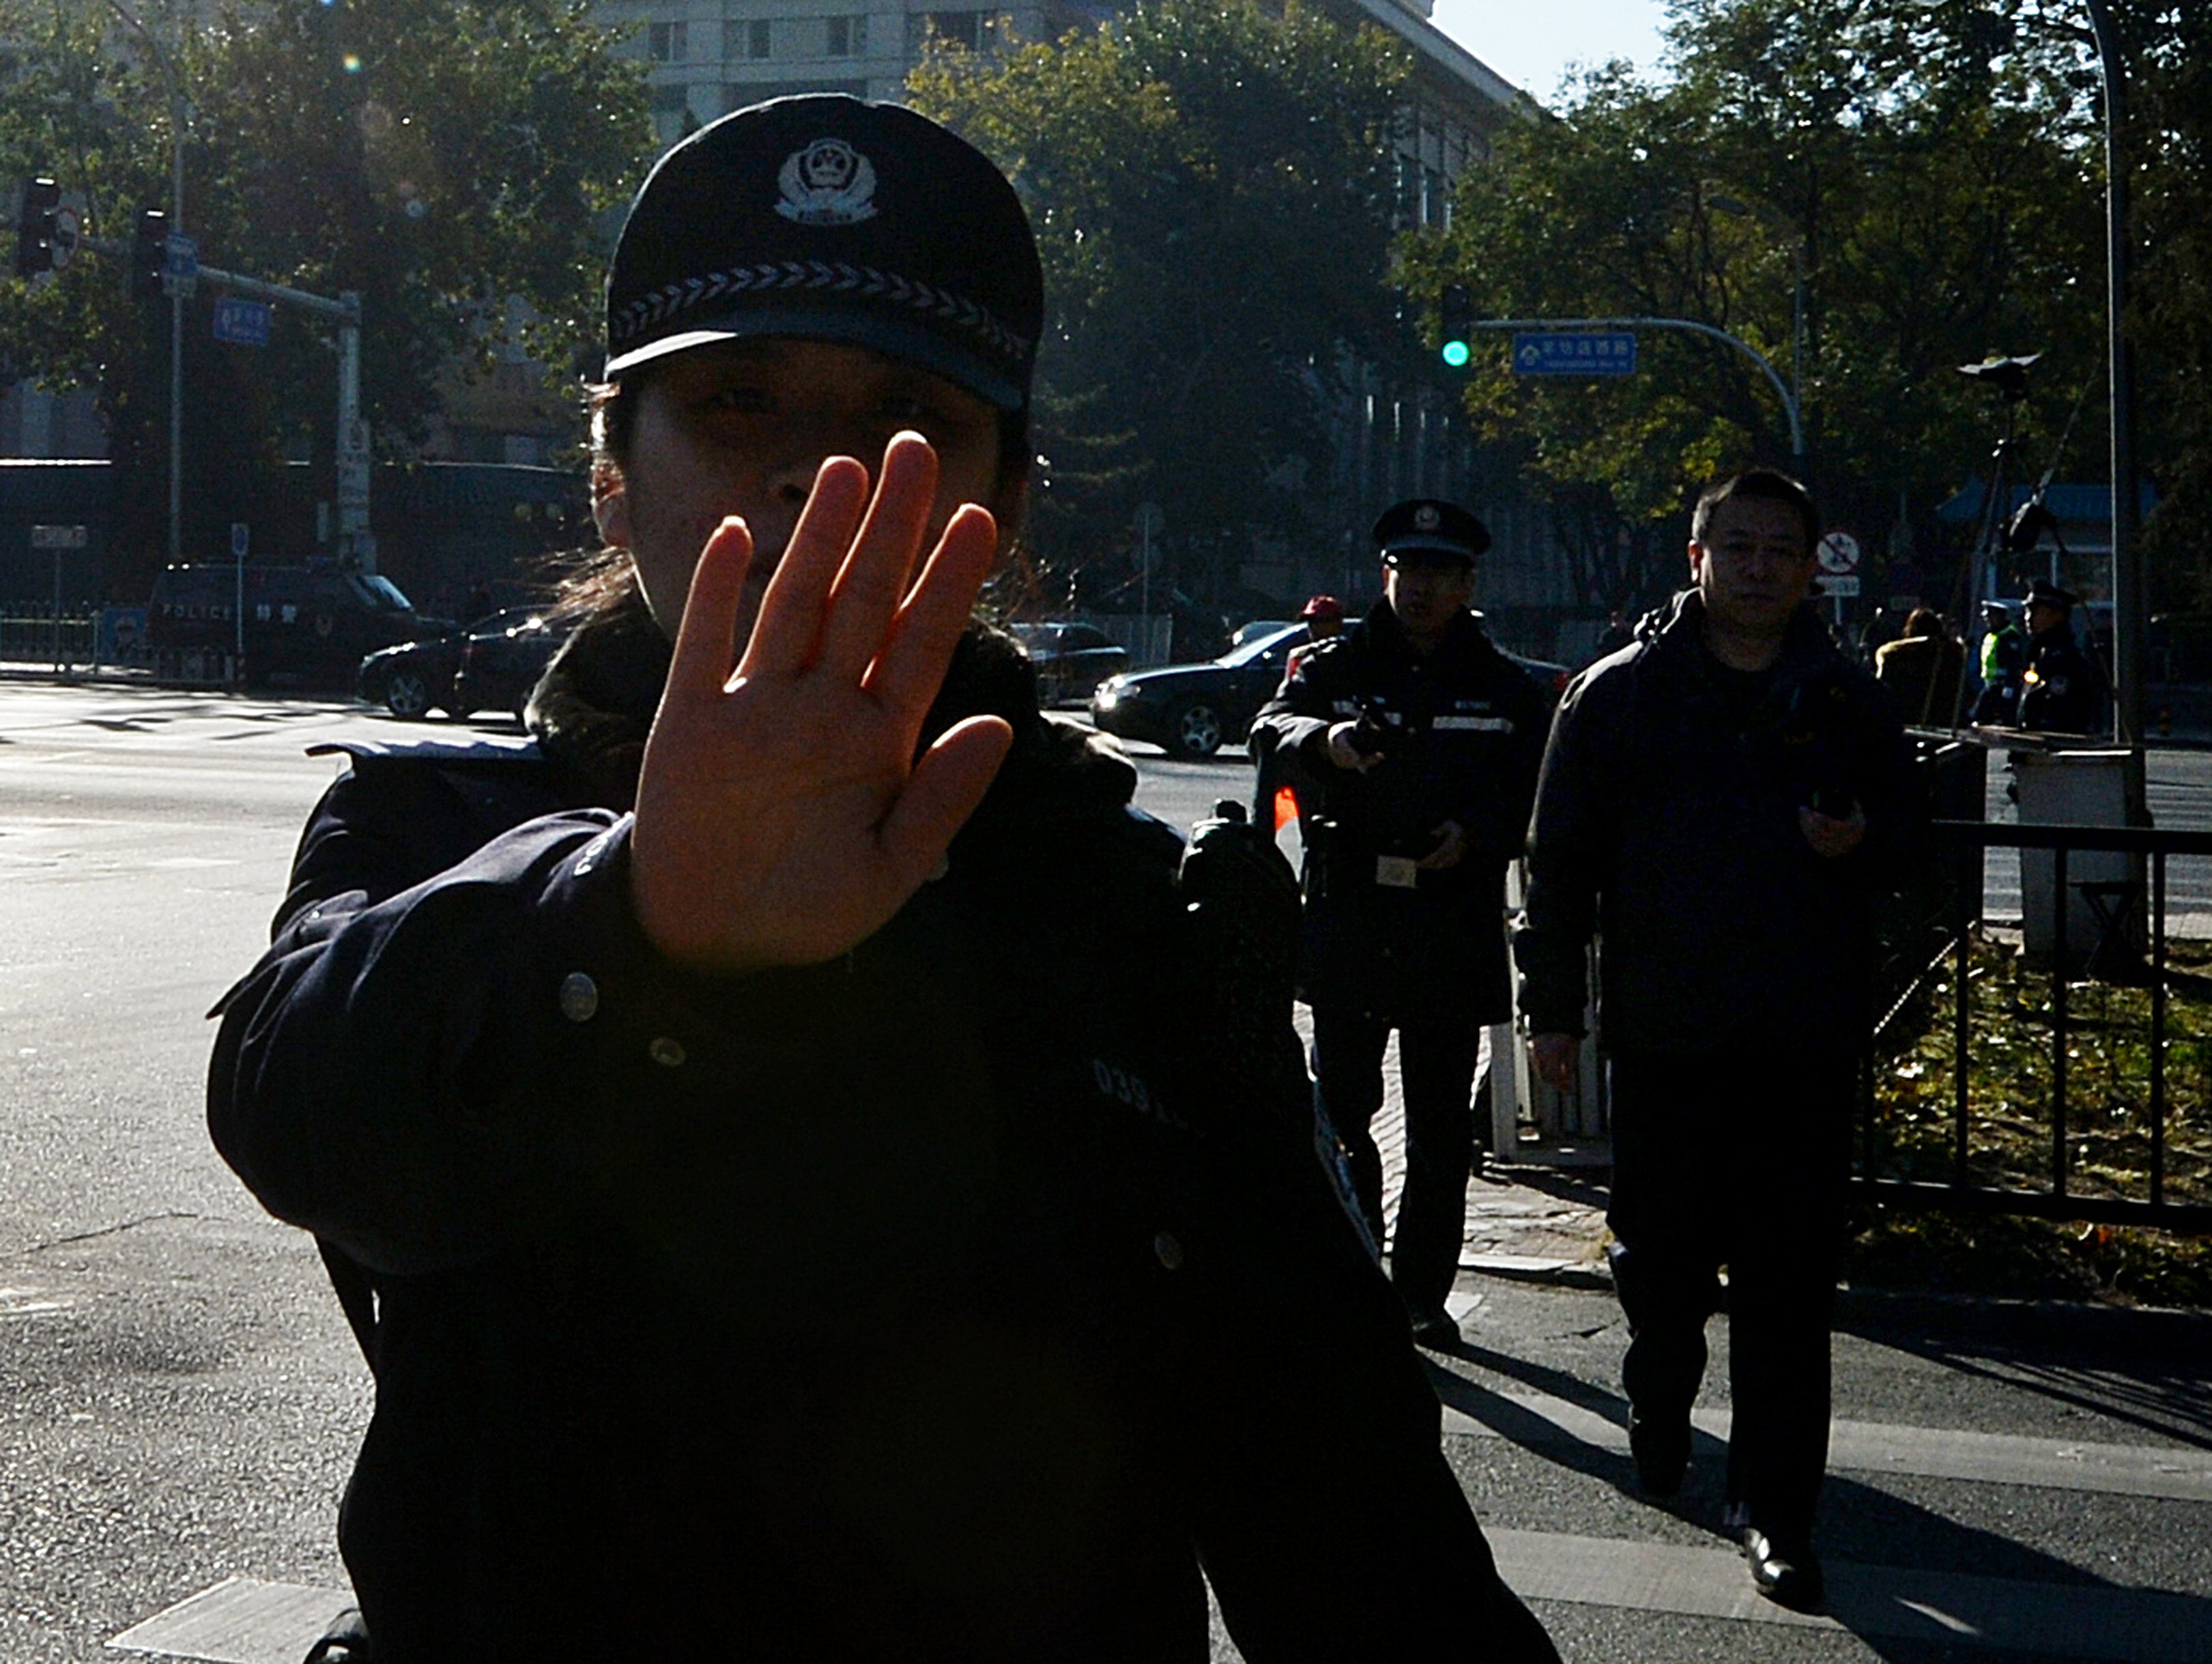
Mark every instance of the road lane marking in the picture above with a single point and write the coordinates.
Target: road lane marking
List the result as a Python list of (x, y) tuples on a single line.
[(2175, 1474)]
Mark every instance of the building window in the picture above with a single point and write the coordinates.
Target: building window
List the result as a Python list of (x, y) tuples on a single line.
[(672, 42), (847, 36), (759, 40), (971, 29)]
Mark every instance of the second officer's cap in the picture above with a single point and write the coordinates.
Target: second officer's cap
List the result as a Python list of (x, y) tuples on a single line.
[(1426, 529), (825, 218)]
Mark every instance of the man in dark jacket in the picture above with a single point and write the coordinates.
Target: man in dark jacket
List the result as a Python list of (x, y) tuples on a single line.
[(775, 1133), (1719, 802), (1418, 741), (2063, 689)]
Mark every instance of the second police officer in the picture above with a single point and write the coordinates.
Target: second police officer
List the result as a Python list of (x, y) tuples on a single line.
[(1413, 742)]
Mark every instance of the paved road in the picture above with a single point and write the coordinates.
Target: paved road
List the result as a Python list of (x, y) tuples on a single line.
[(178, 1400)]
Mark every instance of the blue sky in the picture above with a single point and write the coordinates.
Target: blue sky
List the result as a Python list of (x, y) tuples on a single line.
[(1533, 42)]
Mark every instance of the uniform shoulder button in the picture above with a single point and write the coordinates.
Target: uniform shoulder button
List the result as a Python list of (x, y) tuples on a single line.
[(580, 998), (1167, 1248), (668, 1052)]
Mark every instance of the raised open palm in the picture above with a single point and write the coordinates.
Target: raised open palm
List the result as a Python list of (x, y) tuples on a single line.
[(782, 816)]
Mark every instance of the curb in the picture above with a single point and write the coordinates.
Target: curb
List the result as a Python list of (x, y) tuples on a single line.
[(1590, 1276)]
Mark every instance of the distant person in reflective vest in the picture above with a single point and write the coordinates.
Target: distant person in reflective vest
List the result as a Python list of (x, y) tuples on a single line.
[(2004, 658), (2063, 689), (1920, 671)]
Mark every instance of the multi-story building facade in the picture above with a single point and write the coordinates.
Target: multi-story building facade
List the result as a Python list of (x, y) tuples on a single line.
[(709, 57), (705, 58)]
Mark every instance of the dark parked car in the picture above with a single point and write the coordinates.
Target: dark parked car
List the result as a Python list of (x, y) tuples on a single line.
[(415, 677), (1193, 709), (302, 626), (499, 667), (1071, 659)]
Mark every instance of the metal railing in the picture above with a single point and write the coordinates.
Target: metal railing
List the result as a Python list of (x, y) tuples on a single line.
[(2118, 955), (40, 639)]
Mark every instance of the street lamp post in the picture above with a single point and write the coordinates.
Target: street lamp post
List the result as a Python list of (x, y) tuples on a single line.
[(177, 109), (2130, 590)]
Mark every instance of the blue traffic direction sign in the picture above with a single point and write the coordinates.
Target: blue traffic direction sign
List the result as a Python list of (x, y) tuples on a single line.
[(243, 323), (1574, 352)]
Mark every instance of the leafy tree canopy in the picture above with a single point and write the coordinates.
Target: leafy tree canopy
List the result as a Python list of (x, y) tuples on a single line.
[(1933, 168), (440, 159), (1212, 187)]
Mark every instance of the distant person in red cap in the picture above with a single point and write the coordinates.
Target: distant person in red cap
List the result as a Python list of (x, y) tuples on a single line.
[(1324, 621)]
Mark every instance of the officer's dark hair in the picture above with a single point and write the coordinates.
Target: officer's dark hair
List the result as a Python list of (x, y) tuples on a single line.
[(1756, 485)]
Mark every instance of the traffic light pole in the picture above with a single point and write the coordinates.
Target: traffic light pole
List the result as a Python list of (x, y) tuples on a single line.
[(1781, 392), (356, 546)]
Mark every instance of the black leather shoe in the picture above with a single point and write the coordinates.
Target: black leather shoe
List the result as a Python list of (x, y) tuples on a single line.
[(1787, 1575), (1662, 1451), (1437, 1331)]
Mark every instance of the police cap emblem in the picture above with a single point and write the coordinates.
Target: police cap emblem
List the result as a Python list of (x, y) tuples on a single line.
[(827, 183)]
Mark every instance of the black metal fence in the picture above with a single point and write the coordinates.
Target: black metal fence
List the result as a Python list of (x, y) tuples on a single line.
[(2130, 948), (41, 639)]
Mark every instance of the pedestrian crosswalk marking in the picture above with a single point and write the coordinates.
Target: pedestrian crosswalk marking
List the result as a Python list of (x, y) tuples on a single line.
[(1999, 1614), (2121, 1470), (239, 1621)]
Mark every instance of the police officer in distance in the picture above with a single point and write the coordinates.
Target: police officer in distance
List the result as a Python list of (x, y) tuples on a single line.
[(2063, 689), (1418, 743)]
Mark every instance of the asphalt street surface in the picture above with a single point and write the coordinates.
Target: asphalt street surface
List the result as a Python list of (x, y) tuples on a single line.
[(179, 1399)]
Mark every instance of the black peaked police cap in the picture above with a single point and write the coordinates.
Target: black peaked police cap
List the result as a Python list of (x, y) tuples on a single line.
[(825, 218), (1428, 528)]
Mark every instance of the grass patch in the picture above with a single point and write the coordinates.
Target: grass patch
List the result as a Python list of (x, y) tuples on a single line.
[(2010, 1072)]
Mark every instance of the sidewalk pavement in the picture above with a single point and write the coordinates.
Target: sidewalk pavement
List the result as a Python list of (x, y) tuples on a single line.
[(1538, 1223)]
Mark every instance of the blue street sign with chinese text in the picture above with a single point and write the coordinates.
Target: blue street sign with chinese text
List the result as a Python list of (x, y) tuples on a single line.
[(1574, 352), (243, 323)]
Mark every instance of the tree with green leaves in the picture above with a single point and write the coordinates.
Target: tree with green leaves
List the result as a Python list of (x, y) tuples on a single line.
[(1925, 174), (440, 159), (1211, 186), (2169, 141)]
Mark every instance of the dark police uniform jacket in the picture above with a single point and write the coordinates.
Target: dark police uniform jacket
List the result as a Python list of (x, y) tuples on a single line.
[(1462, 730), (2063, 691), (950, 1301), (1666, 821)]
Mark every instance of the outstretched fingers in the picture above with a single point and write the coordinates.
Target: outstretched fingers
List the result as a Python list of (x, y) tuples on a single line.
[(910, 667), (706, 640), (788, 635), (939, 796), (875, 574)]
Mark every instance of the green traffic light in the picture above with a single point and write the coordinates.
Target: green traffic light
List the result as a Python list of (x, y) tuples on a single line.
[(1456, 354)]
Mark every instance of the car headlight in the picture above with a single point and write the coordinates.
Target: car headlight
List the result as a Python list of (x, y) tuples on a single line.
[(1109, 694)]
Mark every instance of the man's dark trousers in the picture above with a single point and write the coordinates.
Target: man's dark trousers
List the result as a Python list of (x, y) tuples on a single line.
[(1736, 1158), (1435, 1068)]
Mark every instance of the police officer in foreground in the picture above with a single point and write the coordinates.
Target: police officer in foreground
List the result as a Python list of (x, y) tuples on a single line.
[(2063, 689), (1418, 742), (1723, 800), (806, 1215)]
